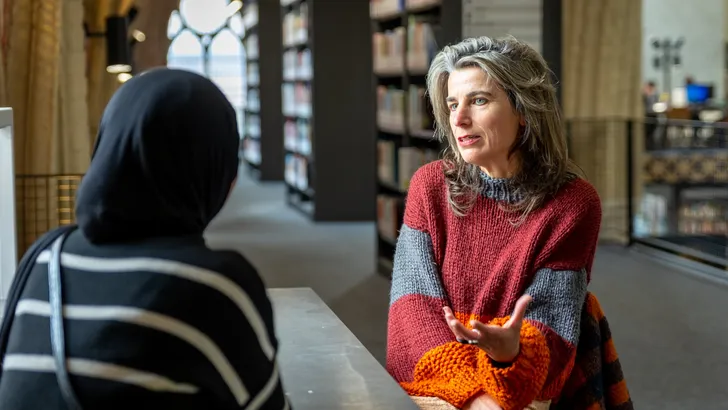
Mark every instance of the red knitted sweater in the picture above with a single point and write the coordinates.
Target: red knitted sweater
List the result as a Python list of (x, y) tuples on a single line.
[(479, 265)]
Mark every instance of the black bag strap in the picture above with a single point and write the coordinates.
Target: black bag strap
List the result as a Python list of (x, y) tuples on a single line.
[(58, 343), (22, 273)]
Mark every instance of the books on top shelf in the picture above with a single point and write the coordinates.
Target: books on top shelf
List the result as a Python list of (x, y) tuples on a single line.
[(389, 49), (253, 103), (251, 46), (251, 150), (390, 109), (297, 65), (295, 26), (252, 126), (297, 99), (253, 75), (417, 5), (421, 43), (395, 166), (380, 9), (296, 172), (419, 121), (297, 136)]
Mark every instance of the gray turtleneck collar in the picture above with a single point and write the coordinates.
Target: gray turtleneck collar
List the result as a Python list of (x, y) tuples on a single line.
[(499, 189)]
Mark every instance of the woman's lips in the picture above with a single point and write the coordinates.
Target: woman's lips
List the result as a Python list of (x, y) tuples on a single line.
[(466, 140)]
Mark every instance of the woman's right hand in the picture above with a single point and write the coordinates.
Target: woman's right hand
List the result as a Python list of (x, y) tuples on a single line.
[(482, 402)]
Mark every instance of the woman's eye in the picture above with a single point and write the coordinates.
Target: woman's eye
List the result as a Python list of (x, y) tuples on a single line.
[(480, 101), (453, 107)]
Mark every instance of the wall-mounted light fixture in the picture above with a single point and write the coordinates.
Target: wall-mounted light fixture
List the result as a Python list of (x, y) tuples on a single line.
[(118, 50), (138, 36)]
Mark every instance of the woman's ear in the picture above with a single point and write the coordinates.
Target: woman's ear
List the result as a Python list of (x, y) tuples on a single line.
[(522, 120)]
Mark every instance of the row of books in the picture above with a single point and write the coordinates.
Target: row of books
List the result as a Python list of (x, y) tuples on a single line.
[(397, 109), (421, 43), (418, 41), (253, 100), (387, 8), (297, 65), (297, 99), (251, 46), (295, 26), (396, 165), (389, 216), (251, 150), (389, 49), (253, 75), (296, 172), (252, 125), (391, 108), (297, 136), (383, 8)]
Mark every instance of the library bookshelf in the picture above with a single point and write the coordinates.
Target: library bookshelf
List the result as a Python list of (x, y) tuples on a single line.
[(262, 135), (330, 155), (406, 36)]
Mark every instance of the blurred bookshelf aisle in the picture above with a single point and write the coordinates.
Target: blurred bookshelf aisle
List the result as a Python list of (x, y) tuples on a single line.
[(290, 250)]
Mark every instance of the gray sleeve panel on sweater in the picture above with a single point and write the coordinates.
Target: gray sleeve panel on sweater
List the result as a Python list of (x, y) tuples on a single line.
[(415, 271), (558, 298)]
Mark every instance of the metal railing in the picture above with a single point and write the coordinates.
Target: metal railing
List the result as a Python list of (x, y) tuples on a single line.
[(43, 202)]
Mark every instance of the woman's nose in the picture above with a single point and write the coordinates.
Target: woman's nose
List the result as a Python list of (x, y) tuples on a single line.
[(462, 116)]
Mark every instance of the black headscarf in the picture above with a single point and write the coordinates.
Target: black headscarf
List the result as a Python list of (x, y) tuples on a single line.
[(164, 161)]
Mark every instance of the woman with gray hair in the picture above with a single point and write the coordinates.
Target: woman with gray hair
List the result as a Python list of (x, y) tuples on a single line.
[(496, 249)]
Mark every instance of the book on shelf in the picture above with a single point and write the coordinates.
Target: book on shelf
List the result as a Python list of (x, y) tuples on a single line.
[(389, 211), (253, 100), (297, 136), (385, 8), (295, 26), (296, 172), (419, 109), (297, 99), (390, 109), (251, 150), (251, 46), (297, 65), (253, 75), (421, 42), (252, 125), (389, 49), (419, 4), (396, 165)]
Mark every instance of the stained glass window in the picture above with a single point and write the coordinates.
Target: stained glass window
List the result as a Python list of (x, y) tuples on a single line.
[(207, 39)]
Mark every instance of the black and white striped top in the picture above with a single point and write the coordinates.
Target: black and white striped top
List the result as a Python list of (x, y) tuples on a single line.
[(160, 324)]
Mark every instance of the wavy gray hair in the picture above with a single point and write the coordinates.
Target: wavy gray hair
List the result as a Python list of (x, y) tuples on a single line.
[(524, 76)]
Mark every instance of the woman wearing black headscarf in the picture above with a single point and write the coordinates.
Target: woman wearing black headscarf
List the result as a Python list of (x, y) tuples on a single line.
[(152, 318)]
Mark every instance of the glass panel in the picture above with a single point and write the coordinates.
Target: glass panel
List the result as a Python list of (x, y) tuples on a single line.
[(186, 53), (227, 69), (236, 25), (174, 25), (204, 16)]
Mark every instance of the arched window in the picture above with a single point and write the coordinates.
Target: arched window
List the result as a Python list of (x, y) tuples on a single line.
[(207, 39)]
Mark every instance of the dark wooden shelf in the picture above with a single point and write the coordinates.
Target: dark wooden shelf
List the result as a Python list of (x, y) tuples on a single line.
[(448, 15), (341, 167)]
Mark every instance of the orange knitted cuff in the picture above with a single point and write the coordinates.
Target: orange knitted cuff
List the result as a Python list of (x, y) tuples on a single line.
[(517, 385), (448, 372)]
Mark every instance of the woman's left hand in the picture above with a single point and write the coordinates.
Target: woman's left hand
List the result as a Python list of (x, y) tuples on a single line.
[(500, 343)]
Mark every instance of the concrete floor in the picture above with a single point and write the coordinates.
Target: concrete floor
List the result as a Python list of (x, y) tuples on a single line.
[(671, 330)]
